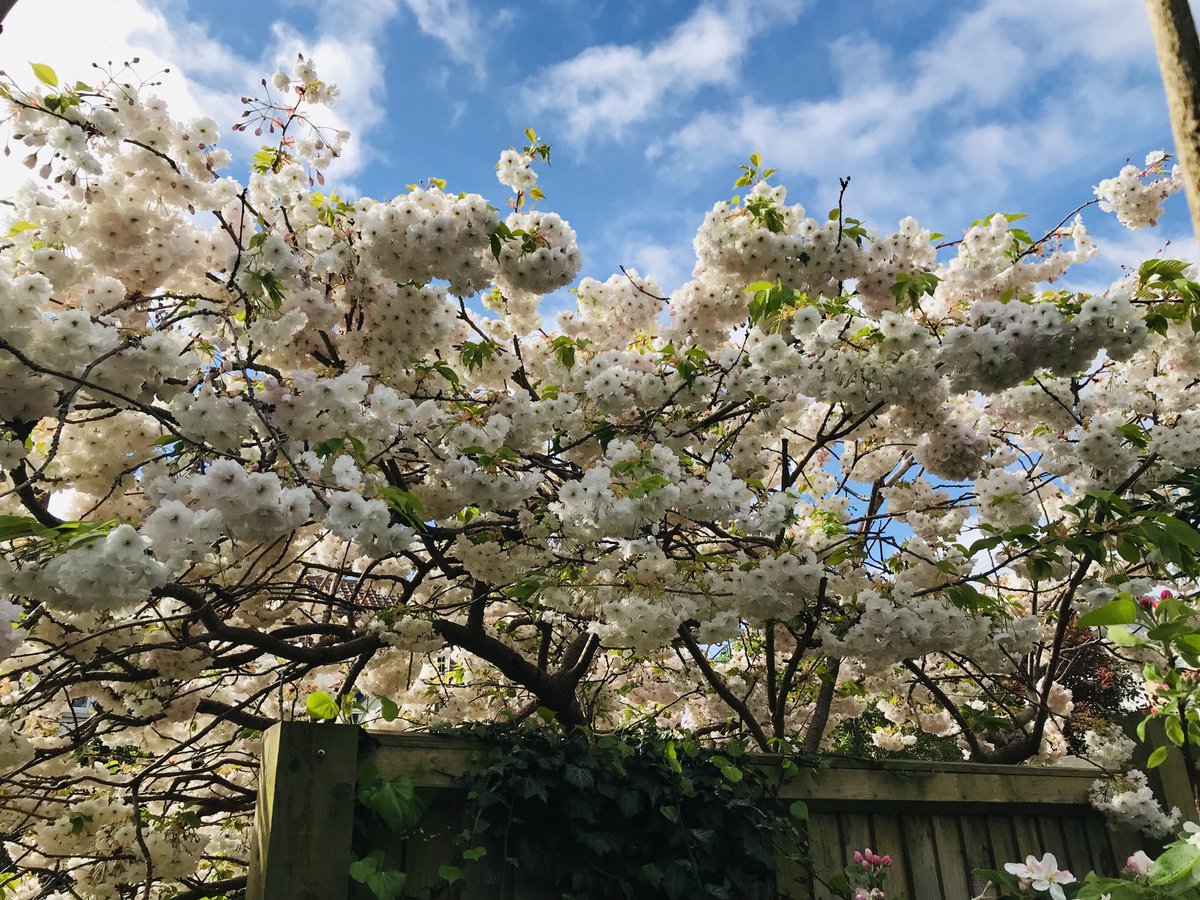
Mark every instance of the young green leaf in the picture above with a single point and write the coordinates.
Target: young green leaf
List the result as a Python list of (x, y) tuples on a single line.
[(321, 705), (45, 74)]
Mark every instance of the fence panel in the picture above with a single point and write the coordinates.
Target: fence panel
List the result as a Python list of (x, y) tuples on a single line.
[(939, 822)]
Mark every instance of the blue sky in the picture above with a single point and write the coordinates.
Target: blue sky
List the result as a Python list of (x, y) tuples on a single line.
[(945, 110)]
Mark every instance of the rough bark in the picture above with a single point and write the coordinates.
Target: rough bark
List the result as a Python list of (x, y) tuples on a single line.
[(1178, 50)]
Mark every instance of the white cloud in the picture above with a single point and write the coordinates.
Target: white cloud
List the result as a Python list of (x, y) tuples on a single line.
[(455, 24), (81, 32), (670, 265), (606, 89), (206, 76), (950, 128)]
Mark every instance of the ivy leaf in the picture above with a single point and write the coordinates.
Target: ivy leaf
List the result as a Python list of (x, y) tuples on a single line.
[(799, 811), (45, 74), (450, 874), (395, 802), (384, 883), (321, 705), (579, 777)]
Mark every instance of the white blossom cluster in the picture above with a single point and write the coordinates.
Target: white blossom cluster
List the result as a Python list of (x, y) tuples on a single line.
[(515, 170), (1129, 801), (1138, 202), (257, 440), (1108, 747), (427, 234)]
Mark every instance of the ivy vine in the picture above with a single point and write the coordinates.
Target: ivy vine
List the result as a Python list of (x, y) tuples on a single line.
[(635, 814)]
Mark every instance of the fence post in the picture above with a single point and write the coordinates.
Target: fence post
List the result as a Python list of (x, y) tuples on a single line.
[(303, 823), (1170, 780)]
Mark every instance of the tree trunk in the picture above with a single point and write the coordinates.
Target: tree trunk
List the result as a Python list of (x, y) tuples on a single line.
[(1179, 59)]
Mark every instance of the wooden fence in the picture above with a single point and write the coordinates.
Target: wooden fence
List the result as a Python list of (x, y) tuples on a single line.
[(938, 821)]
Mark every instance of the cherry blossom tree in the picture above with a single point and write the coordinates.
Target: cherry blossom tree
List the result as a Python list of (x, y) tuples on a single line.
[(269, 453)]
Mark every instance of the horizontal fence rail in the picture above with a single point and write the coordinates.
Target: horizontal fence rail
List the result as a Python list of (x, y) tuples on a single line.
[(938, 821)]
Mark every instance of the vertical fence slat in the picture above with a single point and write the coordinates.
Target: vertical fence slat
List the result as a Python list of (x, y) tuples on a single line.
[(828, 858), (977, 849), (304, 819), (1075, 833), (793, 875), (1029, 841), (1125, 842), (1004, 845), (922, 857), (856, 833), (951, 859), (1100, 846), (432, 846), (890, 839)]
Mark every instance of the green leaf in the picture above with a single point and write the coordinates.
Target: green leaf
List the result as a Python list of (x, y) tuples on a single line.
[(579, 777), (1157, 758), (45, 74), (450, 874), (384, 883), (1122, 611), (673, 758), (1182, 532), (406, 504), (799, 811), (388, 709), (395, 802), (1163, 268), (475, 854), (1173, 730), (670, 813), (1175, 864), (18, 227), (13, 527), (320, 705), (1122, 636)]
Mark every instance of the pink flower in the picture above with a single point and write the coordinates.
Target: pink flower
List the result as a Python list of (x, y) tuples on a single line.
[(1139, 864), (1042, 874)]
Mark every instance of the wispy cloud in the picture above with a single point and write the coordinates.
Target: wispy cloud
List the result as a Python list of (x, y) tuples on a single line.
[(606, 89), (1005, 94), (349, 50), (457, 25), (207, 76), (670, 265)]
